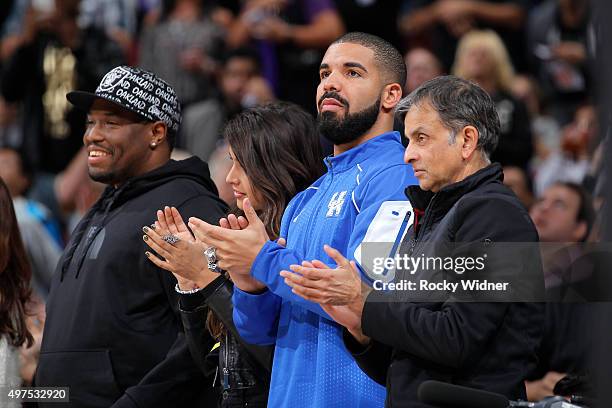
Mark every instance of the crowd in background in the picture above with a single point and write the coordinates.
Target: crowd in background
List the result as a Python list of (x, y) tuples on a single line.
[(534, 58)]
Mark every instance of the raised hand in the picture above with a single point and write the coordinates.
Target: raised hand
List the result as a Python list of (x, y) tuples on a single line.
[(170, 221), (324, 285), (185, 258), (236, 249), (233, 222), (347, 315), (236, 246)]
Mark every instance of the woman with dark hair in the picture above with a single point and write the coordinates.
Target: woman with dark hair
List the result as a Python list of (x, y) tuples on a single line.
[(14, 292), (276, 154)]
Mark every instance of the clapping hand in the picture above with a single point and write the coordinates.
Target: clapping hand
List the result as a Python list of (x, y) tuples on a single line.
[(185, 257), (237, 242), (339, 291)]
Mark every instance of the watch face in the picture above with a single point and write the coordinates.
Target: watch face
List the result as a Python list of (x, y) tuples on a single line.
[(210, 254), (214, 268)]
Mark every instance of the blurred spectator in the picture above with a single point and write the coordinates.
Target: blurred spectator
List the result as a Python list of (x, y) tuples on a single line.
[(290, 36), (5, 12), (482, 58), (54, 57), (14, 292), (544, 128), (422, 65), (516, 178), (184, 48), (573, 161), (241, 86), (558, 32), (12, 14), (371, 16), (40, 232), (563, 214), (116, 17), (148, 13), (10, 129), (441, 23)]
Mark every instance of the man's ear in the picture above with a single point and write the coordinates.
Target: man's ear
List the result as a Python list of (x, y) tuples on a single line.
[(580, 231), (469, 141), (158, 133), (392, 94)]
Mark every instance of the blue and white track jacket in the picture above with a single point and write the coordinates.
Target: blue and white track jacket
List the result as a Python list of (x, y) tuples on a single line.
[(360, 198)]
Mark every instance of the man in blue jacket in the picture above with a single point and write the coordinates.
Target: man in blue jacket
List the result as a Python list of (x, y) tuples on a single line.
[(360, 199)]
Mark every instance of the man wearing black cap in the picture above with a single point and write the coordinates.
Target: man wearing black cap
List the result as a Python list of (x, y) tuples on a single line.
[(112, 333)]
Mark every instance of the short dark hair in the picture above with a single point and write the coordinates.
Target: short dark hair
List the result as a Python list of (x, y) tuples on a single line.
[(387, 57), (245, 53), (459, 103), (586, 210)]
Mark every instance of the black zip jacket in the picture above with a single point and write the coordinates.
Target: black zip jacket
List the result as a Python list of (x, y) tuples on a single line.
[(113, 333), (490, 346), (241, 370)]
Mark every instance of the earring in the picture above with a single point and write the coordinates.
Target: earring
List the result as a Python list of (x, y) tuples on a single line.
[(153, 145)]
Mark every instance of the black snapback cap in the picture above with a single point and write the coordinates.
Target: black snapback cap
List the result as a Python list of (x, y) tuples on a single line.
[(137, 90)]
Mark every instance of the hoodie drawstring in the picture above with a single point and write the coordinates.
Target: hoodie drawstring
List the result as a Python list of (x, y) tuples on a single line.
[(84, 224)]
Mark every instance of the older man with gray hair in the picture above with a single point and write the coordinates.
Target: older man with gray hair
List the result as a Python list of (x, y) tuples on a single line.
[(440, 331)]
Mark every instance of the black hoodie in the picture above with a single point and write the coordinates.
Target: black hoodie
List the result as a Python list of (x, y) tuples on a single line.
[(113, 333)]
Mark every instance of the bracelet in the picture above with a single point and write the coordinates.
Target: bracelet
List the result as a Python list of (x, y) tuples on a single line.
[(186, 292)]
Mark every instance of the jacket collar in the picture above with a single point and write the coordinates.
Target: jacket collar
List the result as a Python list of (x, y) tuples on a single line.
[(360, 153), (449, 195)]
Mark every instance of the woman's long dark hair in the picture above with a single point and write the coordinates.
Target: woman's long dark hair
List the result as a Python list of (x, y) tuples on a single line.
[(277, 145), (15, 275)]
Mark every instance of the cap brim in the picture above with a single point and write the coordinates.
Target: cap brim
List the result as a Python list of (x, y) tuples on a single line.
[(83, 100)]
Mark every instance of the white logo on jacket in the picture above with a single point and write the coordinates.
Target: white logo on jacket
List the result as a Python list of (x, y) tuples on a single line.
[(335, 204)]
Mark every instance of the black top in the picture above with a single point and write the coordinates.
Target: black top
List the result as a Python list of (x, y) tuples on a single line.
[(113, 333), (515, 146)]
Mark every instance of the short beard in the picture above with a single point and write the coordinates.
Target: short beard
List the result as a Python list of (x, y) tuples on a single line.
[(351, 127), (104, 178)]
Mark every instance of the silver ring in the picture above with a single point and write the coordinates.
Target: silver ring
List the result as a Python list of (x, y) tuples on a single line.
[(171, 239), (211, 255)]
